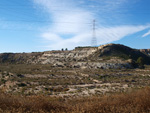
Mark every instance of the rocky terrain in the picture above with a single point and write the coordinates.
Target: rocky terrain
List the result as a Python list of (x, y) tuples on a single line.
[(110, 56), (72, 82), (146, 51), (83, 71)]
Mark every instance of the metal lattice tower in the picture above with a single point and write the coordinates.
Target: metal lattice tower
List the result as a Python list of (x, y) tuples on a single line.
[(94, 39)]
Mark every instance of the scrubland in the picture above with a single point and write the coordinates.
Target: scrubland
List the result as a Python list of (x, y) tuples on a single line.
[(74, 91), (137, 101)]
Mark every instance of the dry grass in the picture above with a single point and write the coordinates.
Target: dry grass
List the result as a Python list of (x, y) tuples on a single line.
[(30, 104), (134, 102)]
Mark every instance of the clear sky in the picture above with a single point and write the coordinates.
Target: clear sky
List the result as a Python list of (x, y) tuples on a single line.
[(40, 25)]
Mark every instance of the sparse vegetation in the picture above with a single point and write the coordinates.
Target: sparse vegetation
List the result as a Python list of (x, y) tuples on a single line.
[(133, 102), (83, 83)]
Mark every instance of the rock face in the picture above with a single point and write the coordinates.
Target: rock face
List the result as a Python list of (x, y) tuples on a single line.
[(121, 51), (110, 56), (146, 51)]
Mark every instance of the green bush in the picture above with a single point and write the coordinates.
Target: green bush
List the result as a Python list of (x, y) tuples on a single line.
[(141, 61)]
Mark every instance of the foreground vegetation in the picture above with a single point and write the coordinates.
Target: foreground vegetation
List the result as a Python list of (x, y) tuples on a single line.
[(134, 102)]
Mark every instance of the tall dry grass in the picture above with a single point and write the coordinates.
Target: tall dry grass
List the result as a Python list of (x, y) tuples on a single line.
[(134, 102)]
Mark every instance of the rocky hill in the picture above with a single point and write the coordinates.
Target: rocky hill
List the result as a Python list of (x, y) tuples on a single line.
[(105, 57), (120, 51), (20, 58), (146, 51)]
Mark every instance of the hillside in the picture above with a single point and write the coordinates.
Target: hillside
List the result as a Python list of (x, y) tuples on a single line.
[(83, 71), (120, 51), (106, 57), (146, 51), (19, 58)]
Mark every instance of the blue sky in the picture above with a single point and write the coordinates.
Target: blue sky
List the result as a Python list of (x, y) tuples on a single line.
[(40, 25)]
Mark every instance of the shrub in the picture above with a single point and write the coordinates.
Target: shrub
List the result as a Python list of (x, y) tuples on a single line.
[(140, 61), (134, 102), (22, 85)]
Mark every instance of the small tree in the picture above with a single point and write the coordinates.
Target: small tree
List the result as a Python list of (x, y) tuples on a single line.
[(66, 49), (140, 61), (62, 49)]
